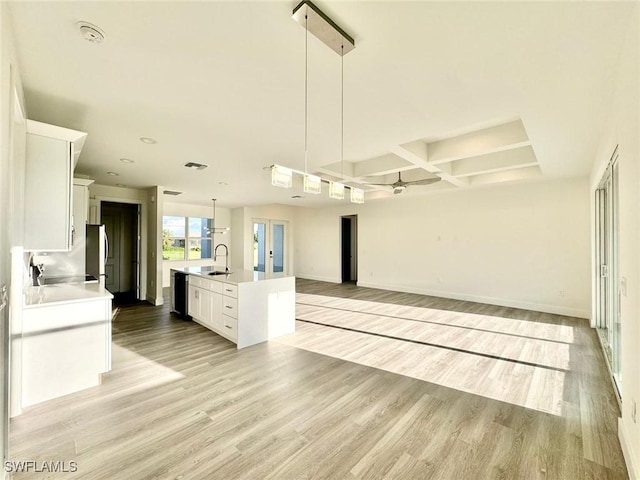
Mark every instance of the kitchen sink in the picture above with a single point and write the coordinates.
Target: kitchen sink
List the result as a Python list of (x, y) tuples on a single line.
[(219, 273)]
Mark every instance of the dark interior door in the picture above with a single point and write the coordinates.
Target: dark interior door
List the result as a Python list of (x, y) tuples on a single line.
[(121, 224), (349, 248)]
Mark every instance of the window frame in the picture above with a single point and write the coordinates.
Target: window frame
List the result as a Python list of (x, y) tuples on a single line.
[(187, 239)]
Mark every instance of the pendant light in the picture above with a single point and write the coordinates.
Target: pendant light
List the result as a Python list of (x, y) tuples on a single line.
[(321, 26)]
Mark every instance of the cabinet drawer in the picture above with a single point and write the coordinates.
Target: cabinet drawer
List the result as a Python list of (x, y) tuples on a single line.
[(230, 306), (197, 281), (230, 290), (230, 326)]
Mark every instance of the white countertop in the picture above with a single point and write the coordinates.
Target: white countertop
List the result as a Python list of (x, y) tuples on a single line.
[(235, 277), (47, 295)]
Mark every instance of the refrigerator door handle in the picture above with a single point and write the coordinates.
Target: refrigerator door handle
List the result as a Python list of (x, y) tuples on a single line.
[(106, 246)]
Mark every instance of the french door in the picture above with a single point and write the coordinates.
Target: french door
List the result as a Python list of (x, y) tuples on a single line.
[(608, 317), (269, 245)]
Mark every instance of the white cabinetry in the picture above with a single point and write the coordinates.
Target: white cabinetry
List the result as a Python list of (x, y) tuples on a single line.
[(65, 348), (205, 301), (51, 155), (247, 311)]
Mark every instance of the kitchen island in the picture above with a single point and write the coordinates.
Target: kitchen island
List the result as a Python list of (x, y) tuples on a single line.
[(65, 340), (244, 306)]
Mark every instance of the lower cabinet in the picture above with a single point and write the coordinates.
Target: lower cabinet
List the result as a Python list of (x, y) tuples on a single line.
[(205, 302), (248, 313), (65, 348)]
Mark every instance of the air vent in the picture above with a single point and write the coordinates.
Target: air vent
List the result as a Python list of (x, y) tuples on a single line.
[(197, 166), (171, 192)]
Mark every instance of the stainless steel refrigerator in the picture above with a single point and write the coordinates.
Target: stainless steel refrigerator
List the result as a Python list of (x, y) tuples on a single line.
[(96, 252)]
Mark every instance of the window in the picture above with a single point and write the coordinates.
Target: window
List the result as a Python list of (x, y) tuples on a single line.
[(185, 238)]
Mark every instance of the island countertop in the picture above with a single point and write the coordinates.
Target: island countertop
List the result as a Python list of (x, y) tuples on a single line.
[(59, 294), (235, 277)]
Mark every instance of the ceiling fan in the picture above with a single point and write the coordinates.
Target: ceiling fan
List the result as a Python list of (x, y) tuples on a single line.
[(399, 185)]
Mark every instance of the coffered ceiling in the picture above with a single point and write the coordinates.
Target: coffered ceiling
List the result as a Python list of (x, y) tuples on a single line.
[(472, 92)]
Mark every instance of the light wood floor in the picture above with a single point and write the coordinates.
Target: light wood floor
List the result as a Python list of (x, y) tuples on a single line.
[(373, 384)]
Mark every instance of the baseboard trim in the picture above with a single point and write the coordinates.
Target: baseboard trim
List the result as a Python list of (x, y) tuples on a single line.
[(155, 301), (632, 467), (319, 278), (537, 307)]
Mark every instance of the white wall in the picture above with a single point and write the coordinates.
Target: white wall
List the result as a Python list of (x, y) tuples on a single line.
[(623, 127), (223, 220), (11, 208), (521, 245)]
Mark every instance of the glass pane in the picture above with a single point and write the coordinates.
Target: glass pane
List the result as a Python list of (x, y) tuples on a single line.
[(194, 249), (259, 246), (173, 226), (200, 227), (206, 249), (172, 248), (278, 248)]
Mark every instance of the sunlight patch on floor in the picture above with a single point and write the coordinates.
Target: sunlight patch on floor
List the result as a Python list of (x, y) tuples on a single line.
[(515, 361)]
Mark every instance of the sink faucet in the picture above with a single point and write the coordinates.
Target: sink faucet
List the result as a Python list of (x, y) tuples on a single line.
[(226, 256)]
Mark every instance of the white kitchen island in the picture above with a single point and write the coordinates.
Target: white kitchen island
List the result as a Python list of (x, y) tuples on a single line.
[(245, 307), (65, 340)]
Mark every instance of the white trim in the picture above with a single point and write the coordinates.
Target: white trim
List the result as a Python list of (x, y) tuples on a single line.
[(632, 467), (319, 278), (537, 307)]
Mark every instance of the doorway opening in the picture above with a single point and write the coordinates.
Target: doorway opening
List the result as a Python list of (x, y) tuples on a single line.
[(608, 286), (269, 245), (122, 267), (349, 248)]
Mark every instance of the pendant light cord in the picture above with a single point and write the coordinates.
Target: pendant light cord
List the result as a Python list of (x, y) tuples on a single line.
[(342, 110), (306, 88)]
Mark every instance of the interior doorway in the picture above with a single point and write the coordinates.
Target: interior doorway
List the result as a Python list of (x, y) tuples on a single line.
[(269, 245), (608, 282), (122, 225), (349, 248)]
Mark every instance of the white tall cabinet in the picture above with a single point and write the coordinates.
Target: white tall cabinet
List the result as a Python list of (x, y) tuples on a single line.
[(51, 155)]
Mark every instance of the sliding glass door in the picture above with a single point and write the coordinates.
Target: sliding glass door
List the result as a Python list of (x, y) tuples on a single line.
[(608, 319)]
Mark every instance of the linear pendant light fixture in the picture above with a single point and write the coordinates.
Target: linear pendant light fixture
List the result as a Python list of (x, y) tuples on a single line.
[(321, 26)]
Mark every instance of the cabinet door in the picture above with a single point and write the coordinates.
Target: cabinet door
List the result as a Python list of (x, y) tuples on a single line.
[(48, 180), (193, 308), (205, 307), (216, 311)]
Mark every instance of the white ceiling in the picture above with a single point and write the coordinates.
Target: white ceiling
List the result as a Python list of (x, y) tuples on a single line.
[(222, 83)]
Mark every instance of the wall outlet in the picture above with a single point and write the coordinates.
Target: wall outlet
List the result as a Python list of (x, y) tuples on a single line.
[(633, 410), (561, 293)]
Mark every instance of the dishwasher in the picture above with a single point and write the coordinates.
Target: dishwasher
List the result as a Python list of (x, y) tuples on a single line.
[(180, 293)]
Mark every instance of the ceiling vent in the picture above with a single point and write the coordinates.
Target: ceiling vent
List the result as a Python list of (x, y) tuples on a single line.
[(197, 166), (90, 32), (172, 192)]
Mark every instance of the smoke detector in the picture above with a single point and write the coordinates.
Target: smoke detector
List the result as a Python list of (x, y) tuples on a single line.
[(90, 32)]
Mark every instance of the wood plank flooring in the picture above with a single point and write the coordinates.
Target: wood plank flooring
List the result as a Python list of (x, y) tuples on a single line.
[(380, 385)]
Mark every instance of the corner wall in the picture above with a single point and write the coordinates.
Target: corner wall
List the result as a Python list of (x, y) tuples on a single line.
[(522, 245), (11, 214), (622, 130)]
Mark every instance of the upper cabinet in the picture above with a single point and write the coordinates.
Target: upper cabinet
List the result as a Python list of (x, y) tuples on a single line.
[(52, 153)]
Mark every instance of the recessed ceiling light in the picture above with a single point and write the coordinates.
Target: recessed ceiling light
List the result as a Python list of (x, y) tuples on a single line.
[(120, 185), (113, 174), (127, 160), (90, 32), (148, 140)]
